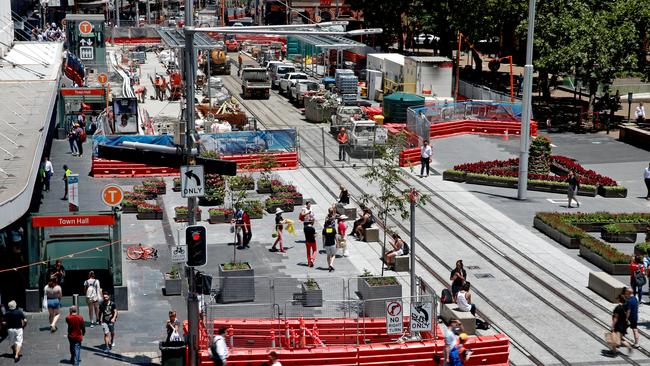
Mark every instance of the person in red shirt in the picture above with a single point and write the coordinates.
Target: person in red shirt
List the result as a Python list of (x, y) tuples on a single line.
[(248, 234), (637, 280), (76, 332), (342, 138)]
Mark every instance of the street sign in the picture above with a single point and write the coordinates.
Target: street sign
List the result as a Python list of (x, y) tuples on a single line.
[(394, 317), (102, 78), (192, 182), (179, 253), (112, 195), (85, 27), (421, 315)]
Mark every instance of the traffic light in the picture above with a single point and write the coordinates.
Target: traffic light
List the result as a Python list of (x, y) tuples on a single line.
[(197, 251)]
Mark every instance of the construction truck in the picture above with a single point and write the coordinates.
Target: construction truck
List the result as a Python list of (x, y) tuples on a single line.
[(219, 63), (255, 81), (364, 135), (344, 116)]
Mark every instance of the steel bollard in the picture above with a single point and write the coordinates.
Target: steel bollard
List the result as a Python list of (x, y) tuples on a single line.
[(75, 299)]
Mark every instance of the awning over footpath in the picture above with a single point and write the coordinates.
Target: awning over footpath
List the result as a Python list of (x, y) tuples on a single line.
[(29, 78)]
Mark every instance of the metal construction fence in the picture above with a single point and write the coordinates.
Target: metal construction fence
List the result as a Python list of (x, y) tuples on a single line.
[(360, 307), (480, 92), (420, 119)]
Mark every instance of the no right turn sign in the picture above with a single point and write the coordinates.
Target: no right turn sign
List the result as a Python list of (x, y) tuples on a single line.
[(394, 317)]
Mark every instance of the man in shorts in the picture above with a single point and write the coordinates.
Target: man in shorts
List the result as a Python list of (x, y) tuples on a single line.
[(15, 321), (107, 318), (632, 304)]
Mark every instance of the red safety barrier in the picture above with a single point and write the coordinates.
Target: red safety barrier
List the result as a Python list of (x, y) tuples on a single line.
[(127, 40), (248, 162), (409, 157), (102, 168)]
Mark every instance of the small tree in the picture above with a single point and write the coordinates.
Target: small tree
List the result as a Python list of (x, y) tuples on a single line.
[(385, 174), (540, 156)]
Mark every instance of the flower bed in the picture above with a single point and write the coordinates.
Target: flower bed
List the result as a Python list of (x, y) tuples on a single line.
[(149, 193), (177, 185), (255, 208), (215, 190), (220, 215), (618, 233), (156, 184), (503, 173), (130, 205), (571, 231), (273, 203), (295, 197), (147, 211), (182, 214), (241, 183)]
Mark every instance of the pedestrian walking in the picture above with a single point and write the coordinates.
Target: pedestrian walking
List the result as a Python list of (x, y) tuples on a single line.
[(58, 271), (80, 138), (14, 320), (342, 139), (399, 248), (425, 158), (76, 332), (633, 314), (238, 221), (457, 278), (173, 328), (107, 318), (248, 234), (92, 288), (329, 243), (572, 191), (53, 294), (279, 226), (66, 173), (615, 338), (639, 112), (637, 276), (310, 243), (451, 333), (646, 179), (72, 141), (219, 348), (240, 62), (306, 214), (274, 360), (458, 355), (464, 299), (49, 172), (341, 229)]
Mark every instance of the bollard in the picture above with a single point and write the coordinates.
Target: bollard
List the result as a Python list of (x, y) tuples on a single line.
[(75, 300), (272, 336)]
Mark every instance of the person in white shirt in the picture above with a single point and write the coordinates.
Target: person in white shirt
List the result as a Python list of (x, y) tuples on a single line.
[(464, 299), (640, 113), (49, 172), (219, 349), (273, 359), (425, 157), (646, 179)]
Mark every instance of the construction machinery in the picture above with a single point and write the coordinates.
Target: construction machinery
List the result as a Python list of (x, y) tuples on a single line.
[(344, 116), (364, 135), (255, 81), (219, 63)]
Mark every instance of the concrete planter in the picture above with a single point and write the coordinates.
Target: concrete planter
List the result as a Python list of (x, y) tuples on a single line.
[(129, 209), (185, 218), (243, 187), (210, 202), (567, 241), (172, 285), (375, 297), (153, 215), (618, 237), (236, 285), (220, 219), (454, 177), (600, 262), (487, 181), (609, 192), (311, 297)]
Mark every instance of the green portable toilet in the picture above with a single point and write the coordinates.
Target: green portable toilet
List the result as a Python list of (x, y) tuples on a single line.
[(396, 104)]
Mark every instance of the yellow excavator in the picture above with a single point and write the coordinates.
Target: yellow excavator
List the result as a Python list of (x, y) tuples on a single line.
[(219, 63)]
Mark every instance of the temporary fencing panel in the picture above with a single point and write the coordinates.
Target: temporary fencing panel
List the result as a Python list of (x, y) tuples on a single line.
[(245, 142)]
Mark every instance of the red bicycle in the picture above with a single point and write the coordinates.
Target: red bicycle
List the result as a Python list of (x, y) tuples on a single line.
[(139, 251)]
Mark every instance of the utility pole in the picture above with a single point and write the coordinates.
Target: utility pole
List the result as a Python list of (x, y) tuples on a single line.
[(148, 12), (190, 77), (413, 195), (526, 109)]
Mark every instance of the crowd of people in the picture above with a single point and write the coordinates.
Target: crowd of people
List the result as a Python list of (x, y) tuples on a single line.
[(51, 33)]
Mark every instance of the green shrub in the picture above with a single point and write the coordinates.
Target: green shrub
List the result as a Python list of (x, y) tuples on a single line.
[(619, 228)]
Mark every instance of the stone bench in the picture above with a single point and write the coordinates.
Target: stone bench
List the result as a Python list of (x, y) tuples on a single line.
[(605, 285), (449, 312), (402, 263), (372, 235)]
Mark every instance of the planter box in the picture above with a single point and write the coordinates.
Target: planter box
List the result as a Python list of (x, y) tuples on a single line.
[(540, 187), (612, 193), (311, 298), (263, 189), (129, 209), (149, 215), (618, 237), (454, 177), (380, 294), (185, 218), (172, 286), (600, 262), (490, 182), (598, 226), (206, 202), (161, 190), (245, 187), (287, 208), (220, 219), (271, 209), (589, 192), (236, 285), (567, 241)]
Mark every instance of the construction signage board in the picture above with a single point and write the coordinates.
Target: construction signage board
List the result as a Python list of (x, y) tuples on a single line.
[(421, 314), (192, 182), (394, 317)]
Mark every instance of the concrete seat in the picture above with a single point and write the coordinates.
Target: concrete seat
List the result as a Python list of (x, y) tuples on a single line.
[(372, 235), (449, 312), (605, 285), (402, 263)]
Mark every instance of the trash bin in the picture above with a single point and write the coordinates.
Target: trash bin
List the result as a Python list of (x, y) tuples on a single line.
[(172, 353)]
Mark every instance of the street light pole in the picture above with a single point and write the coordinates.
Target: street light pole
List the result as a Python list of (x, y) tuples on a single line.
[(526, 109)]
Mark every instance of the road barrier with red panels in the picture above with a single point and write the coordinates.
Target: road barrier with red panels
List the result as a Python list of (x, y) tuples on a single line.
[(135, 41), (247, 162)]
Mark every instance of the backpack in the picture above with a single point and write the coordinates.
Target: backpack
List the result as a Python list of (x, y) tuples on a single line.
[(405, 249), (639, 277), (446, 296), (91, 292), (82, 136)]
